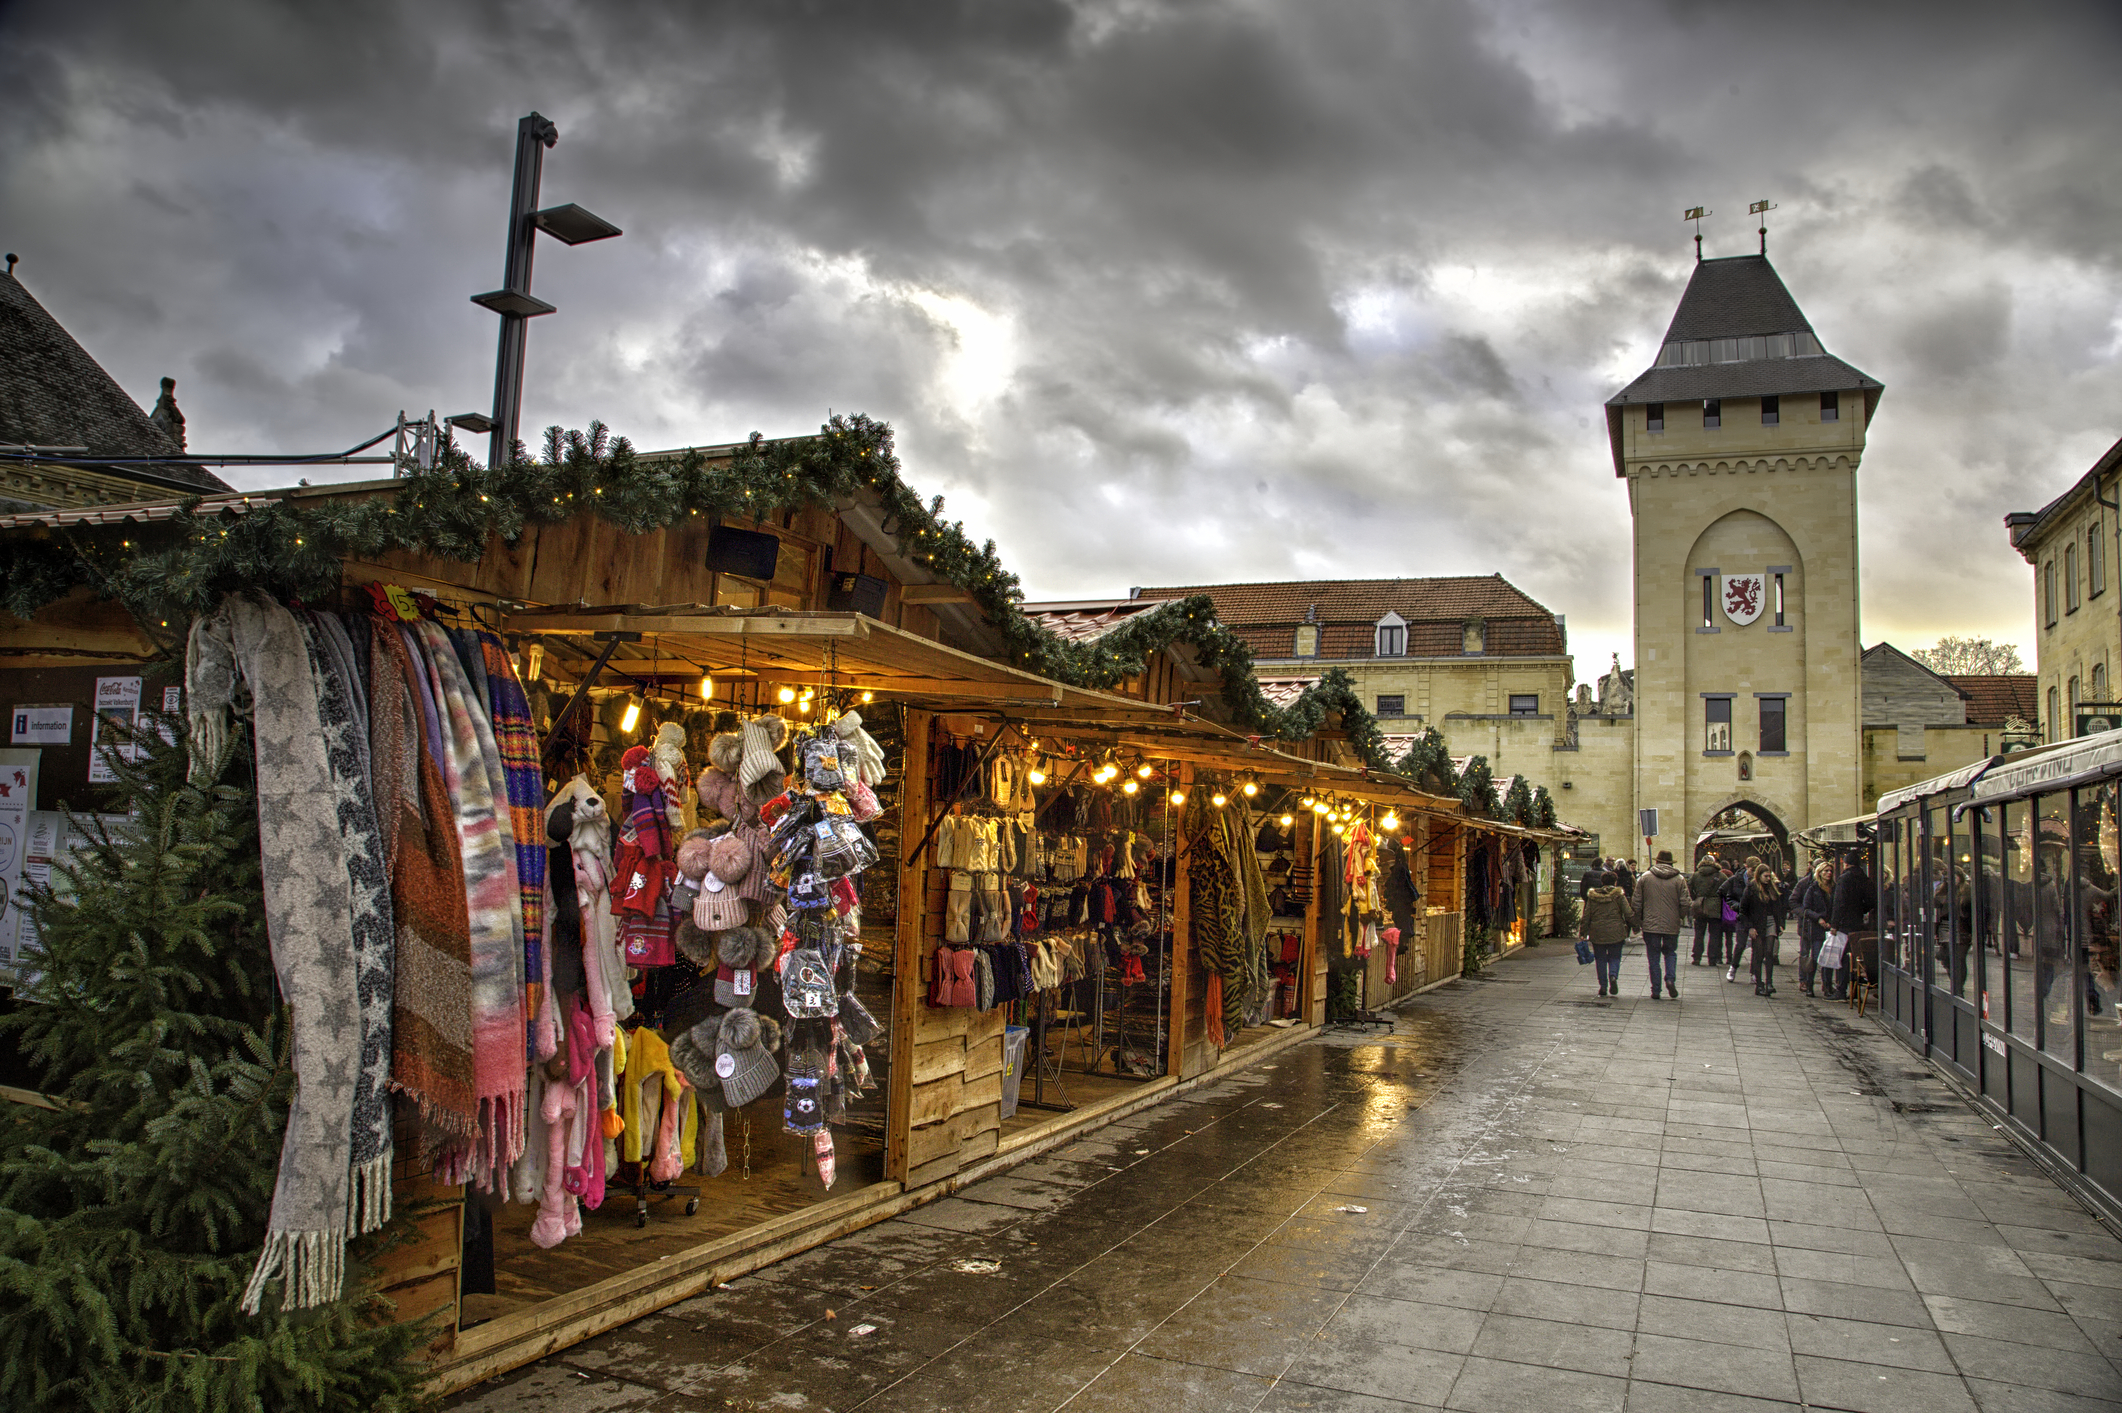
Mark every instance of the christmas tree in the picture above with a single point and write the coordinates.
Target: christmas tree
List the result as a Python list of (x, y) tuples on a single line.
[(132, 1213)]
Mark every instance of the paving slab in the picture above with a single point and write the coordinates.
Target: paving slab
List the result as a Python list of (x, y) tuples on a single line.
[(1729, 1204)]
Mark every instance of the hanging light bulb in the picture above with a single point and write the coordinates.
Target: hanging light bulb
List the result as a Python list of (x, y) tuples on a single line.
[(707, 687), (786, 695), (1288, 820), (1251, 788), (1178, 797), (1339, 828), (1217, 800), (628, 722), (1307, 802), (868, 697), (1145, 770), (1391, 820), (1035, 775), (1128, 787)]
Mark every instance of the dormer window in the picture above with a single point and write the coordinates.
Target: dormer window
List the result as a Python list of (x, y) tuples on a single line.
[(1307, 640), (1392, 636)]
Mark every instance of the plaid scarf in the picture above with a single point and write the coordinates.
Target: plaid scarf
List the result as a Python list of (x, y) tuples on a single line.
[(524, 772)]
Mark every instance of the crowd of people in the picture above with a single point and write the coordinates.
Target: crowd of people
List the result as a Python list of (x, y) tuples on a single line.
[(1739, 912)]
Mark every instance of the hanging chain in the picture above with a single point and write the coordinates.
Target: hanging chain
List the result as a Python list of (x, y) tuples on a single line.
[(747, 1147)]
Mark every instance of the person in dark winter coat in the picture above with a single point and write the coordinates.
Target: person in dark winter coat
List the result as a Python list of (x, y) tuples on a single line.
[(1608, 920), (1849, 908), (1808, 903), (1733, 891), (1662, 902), (1758, 914), (1709, 918)]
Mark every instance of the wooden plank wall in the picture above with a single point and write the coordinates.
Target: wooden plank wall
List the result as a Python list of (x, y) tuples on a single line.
[(1315, 966), (420, 1276), (950, 1056)]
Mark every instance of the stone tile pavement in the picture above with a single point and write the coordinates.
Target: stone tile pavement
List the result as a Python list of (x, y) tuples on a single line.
[(1520, 1199)]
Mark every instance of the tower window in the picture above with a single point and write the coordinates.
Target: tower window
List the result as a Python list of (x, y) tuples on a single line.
[(1773, 716), (1392, 640), (2055, 717), (1654, 417), (2099, 682), (1525, 704), (2095, 561), (2070, 578), (1778, 608), (2048, 593), (1709, 600), (1830, 407), (1712, 412), (1392, 706), (1716, 714), (1771, 411)]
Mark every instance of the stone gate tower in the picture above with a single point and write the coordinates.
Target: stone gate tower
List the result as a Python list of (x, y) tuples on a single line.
[(1740, 447)]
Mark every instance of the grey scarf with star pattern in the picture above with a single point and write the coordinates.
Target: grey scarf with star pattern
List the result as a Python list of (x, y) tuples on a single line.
[(252, 642)]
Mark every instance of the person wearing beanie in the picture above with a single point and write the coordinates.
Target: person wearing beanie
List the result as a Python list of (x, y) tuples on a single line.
[(1661, 901), (1702, 886), (1608, 919)]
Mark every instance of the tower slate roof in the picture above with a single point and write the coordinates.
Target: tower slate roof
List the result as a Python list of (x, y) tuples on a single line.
[(1741, 296), (52, 393)]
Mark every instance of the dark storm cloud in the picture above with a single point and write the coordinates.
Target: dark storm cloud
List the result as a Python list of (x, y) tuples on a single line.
[(1155, 291)]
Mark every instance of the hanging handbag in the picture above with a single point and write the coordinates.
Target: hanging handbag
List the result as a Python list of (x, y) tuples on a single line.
[(1584, 952)]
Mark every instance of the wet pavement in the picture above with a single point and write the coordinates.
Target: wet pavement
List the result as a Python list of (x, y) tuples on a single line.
[(1520, 1199)]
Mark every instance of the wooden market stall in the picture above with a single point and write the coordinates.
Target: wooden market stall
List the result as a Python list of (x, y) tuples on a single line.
[(783, 616)]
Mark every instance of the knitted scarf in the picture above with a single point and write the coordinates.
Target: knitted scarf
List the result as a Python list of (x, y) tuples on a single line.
[(431, 1017), (361, 845), (524, 778), (498, 1023), (309, 919)]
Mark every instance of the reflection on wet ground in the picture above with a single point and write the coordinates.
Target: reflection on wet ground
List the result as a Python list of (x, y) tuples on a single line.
[(1509, 1199)]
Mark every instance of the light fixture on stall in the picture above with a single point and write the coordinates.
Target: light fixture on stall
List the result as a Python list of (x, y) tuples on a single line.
[(1338, 827), (1035, 775), (1144, 771), (707, 687), (803, 702), (632, 718), (868, 697), (1391, 821), (1178, 797), (1289, 821), (1129, 787), (1251, 788), (1307, 802), (785, 695), (1218, 800)]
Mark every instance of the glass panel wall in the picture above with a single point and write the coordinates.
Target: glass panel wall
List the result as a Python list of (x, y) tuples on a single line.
[(1934, 880), (1956, 962), (2021, 1015), (2052, 940), (1887, 919), (2098, 868)]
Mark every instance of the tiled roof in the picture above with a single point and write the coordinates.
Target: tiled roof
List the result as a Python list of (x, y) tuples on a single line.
[(1990, 699), (1282, 691), (1760, 377), (1266, 615), (53, 394), (143, 512)]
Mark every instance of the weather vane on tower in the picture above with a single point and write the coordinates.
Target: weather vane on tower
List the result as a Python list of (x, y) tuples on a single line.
[(1761, 209), (1695, 214)]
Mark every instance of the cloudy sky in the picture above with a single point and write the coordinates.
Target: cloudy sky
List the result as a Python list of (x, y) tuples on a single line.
[(1153, 292)]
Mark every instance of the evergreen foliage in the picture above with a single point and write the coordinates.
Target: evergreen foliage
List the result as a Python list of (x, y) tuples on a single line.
[(1477, 789), (1518, 803), (1565, 908), (1429, 764), (167, 572), (1543, 808), (132, 1214), (1474, 950)]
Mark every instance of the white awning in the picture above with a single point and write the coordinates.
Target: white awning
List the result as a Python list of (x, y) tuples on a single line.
[(1964, 776), (2068, 763)]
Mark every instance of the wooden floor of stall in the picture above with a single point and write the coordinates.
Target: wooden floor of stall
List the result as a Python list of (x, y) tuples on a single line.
[(781, 1181)]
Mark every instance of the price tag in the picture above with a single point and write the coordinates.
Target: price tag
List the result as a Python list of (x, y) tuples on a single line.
[(741, 981)]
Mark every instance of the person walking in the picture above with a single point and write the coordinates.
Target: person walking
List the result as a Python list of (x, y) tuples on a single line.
[(1731, 897), (1848, 909), (1661, 902), (1702, 887), (1608, 920), (1761, 906), (1808, 903)]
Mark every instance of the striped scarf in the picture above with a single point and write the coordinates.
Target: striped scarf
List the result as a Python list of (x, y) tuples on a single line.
[(473, 773), (524, 773)]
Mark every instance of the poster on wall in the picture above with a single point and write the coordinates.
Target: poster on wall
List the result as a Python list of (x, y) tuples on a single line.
[(51, 842), (18, 795), (117, 705)]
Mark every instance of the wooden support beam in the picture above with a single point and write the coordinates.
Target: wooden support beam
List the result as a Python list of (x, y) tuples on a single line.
[(1182, 944), (909, 945), (789, 625), (934, 594)]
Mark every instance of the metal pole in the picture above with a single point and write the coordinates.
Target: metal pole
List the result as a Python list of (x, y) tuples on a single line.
[(533, 135)]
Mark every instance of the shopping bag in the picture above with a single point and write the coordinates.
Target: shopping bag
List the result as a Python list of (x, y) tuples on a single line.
[(1584, 952), (1833, 949)]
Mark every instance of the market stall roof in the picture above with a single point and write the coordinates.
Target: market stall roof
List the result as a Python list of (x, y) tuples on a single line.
[(1841, 831)]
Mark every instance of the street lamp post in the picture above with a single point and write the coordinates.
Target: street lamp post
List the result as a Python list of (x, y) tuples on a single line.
[(513, 302)]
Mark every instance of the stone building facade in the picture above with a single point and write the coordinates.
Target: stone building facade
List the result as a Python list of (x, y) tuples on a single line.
[(2072, 544)]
